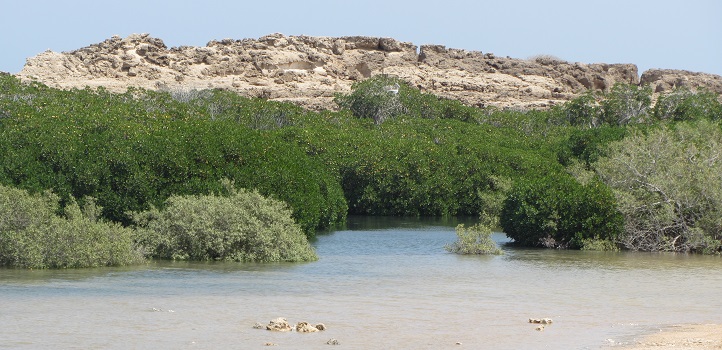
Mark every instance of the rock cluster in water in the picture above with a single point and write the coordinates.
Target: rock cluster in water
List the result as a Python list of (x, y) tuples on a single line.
[(310, 70), (541, 320), (541, 323), (281, 324)]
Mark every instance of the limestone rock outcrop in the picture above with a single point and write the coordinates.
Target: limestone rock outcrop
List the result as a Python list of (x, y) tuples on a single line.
[(664, 80), (310, 70)]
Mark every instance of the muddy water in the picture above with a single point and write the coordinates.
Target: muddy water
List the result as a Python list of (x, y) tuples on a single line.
[(379, 284)]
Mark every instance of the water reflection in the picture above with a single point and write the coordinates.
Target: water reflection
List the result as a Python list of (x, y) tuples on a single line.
[(624, 260)]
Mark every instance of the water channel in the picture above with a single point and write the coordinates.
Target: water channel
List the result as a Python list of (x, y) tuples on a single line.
[(380, 283)]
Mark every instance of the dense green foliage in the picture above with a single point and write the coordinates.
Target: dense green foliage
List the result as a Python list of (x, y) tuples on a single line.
[(32, 235), (588, 145), (390, 150), (426, 167), (556, 211), (136, 149), (582, 213), (239, 226)]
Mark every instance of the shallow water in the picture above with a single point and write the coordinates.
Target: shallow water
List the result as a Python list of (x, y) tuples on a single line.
[(380, 283)]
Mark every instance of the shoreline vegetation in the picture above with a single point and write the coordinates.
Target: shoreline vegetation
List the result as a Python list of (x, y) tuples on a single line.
[(605, 171)]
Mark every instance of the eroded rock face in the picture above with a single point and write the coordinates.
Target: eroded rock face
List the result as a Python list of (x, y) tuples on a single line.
[(310, 70), (665, 80)]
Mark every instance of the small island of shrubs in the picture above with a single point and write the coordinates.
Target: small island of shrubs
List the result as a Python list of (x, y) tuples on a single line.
[(237, 226)]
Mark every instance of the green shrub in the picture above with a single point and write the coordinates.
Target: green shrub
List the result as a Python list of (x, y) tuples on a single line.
[(375, 98), (557, 211), (241, 226), (224, 105), (473, 240), (382, 97), (626, 104), (583, 111), (668, 186), (603, 245), (33, 236), (684, 104), (587, 145)]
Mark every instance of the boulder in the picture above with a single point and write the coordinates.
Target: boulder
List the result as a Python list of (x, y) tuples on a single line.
[(305, 327), (279, 325)]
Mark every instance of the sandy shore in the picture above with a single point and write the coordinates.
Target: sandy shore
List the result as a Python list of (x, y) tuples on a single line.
[(695, 336)]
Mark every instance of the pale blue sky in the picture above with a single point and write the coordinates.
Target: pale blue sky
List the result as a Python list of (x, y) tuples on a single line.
[(685, 34)]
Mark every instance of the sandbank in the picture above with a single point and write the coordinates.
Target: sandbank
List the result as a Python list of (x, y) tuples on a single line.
[(685, 336)]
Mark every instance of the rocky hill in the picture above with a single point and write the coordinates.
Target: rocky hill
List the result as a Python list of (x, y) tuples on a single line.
[(309, 70)]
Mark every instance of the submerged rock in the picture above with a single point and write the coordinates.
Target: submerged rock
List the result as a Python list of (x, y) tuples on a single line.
[(305, 327), (279, 325), (541, 320)]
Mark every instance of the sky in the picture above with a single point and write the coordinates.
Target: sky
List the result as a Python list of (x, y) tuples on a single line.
[(683, 34)]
